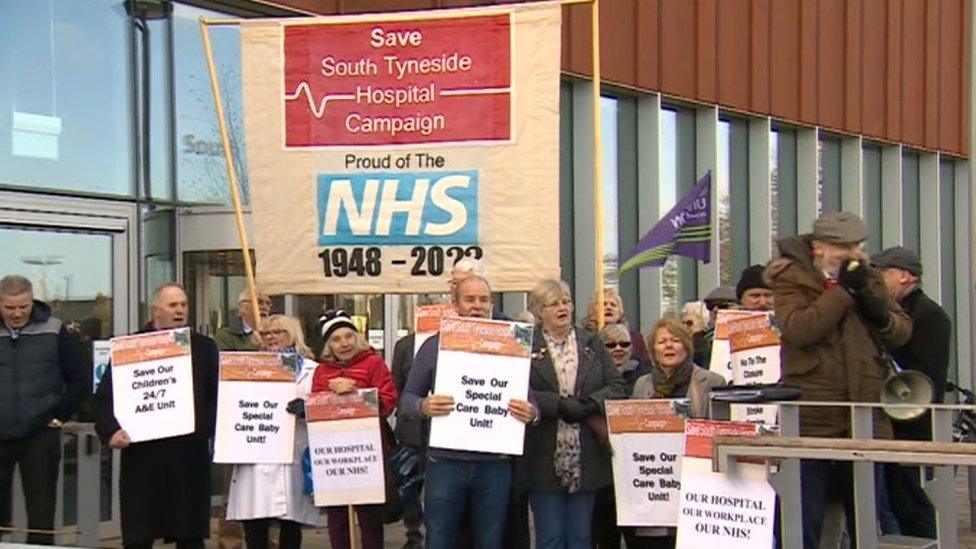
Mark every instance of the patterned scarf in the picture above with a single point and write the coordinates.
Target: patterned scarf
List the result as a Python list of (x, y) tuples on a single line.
[(565, 360), (674, 385)]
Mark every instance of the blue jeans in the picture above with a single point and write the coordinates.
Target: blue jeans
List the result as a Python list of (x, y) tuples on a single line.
[(453, 486), (562, 520)]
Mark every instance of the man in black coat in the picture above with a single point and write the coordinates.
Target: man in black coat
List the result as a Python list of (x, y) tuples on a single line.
[(927, 351), (165, 484), (412, 432)]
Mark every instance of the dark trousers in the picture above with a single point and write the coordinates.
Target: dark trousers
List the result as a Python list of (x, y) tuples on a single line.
[(912, 508), (606, 534), (256, 533), (180, 544), (517, 535), (370, 526), (648, 542), (413, 514), (822, 481), (39, 457)]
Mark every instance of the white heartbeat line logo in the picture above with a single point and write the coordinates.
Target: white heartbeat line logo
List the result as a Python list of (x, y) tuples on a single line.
[(318, 111)]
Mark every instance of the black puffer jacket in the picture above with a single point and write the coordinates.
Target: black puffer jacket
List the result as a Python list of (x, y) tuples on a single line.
[(40, 375)]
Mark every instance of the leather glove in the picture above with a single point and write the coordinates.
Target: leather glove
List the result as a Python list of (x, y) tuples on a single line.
[(874, 310), (571, 410), (296, 407), (853, 276)]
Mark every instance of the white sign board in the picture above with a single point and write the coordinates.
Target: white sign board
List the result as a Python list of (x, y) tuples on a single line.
[(483, 364), (253, 425), (721, 358), (152, 384), (647, 441), (755, 357), (346, 448), (732, 510)]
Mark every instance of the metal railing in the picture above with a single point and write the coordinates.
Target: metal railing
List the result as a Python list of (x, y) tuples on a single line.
[(82, 479), (863, 451)]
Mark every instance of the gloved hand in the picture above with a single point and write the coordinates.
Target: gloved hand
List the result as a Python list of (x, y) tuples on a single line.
[(853, 276), (296, 407), (577, 409), (874, 310)]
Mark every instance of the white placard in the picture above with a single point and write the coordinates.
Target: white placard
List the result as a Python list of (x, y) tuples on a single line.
[(152, 384), (101, 359), (427, 321), (253, 425), (647, 442), (720, 361), (755, 358), (483, 364), (732, 510), (346, 448)]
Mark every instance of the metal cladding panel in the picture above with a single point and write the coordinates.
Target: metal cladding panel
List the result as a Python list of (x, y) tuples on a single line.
[(892, 70)]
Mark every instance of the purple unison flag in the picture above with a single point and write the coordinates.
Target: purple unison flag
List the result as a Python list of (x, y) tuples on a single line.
[(685, 230)]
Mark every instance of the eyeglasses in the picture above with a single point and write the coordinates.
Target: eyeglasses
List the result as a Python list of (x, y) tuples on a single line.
[(615, 344)]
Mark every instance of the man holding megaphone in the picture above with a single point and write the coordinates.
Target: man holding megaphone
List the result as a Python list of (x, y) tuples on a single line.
[(835, 314), (927, 352)]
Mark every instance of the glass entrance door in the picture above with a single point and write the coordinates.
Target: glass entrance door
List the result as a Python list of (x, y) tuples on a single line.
[(81, 274)]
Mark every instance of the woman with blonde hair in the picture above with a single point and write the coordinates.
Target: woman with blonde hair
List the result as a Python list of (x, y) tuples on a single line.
[(263, 493), (566, 458), (613, 313), (673, 375)]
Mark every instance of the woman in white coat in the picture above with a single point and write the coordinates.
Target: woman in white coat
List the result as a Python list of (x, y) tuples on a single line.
[(263, 493)]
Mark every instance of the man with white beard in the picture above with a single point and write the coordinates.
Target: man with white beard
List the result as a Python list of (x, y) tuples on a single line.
[(834, 312)]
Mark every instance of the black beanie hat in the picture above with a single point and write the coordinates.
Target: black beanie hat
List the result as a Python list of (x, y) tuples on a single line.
[(333, 320), (751, 277)]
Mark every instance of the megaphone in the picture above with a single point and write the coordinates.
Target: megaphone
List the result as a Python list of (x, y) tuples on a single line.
[(906, 387)]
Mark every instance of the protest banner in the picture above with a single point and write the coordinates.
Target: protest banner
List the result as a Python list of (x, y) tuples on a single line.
[(253, 425), (346, 448), (152, 384), (483, 364), (755, 345), (647, 440), (732, 510), (427, 321), (721, 359), (384, 148), (101, 358)]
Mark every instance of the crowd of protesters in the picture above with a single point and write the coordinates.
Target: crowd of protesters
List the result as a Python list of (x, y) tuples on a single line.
[(839, 313)]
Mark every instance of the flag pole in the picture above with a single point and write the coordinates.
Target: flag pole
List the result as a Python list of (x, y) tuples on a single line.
[(231, 174), (597, 163)]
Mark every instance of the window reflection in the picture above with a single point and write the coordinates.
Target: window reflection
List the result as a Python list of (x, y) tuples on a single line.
[(201, 173), (667, 196), (608, 131), (65, 100)]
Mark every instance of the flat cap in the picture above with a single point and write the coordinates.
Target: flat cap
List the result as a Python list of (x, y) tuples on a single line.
[(722, 294), (840, 228), (898, 257)]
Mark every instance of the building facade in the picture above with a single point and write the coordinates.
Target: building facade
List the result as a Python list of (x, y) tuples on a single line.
[(112, 176)]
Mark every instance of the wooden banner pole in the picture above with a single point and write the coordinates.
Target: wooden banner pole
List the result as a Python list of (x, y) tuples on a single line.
[(231, 175)]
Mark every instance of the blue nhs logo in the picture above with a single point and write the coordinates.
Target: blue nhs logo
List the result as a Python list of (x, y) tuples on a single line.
[(381, 208)]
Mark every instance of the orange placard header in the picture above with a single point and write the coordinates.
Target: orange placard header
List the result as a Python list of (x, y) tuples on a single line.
[(646, 416), (149, 346), (328, 406), (254, 367), (427, 318), (700, 432), (751, 332), (724, 316), (488, 337)]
